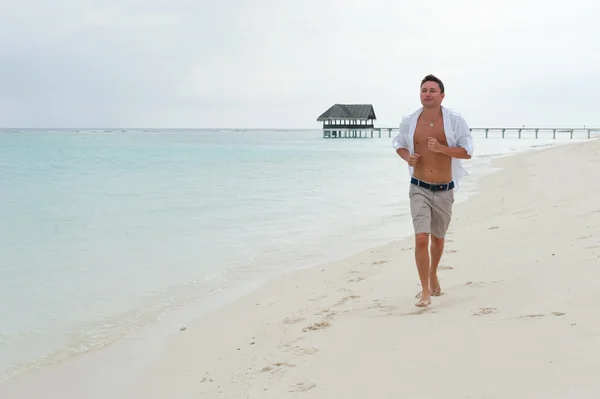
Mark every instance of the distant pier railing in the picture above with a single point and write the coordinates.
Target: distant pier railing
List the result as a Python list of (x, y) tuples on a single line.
[(487, 132)]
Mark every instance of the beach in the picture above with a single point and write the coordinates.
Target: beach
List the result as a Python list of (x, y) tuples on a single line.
[(518, 316)]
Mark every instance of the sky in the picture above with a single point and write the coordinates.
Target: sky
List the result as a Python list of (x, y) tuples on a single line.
[(280, 64)]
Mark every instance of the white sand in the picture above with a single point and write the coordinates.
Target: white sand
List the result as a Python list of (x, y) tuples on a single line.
[(519, 317)]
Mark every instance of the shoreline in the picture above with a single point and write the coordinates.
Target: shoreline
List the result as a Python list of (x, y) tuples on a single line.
[(299, 285)]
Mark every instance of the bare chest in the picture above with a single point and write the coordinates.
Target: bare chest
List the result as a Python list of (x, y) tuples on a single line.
[(422, 134)]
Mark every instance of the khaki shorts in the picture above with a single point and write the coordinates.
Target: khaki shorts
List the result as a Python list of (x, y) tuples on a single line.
[(431, 210)]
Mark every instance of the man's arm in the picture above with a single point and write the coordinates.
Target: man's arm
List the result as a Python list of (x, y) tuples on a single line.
[(403, 152), (400, 142), (464, 141), (455, 152)]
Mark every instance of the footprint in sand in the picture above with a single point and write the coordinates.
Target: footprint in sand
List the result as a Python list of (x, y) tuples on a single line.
[(329, 314), (355, 277), (293, 320), (317, 326), (535, 316), (305, 351), (391, 310), (493, 228), (302, 386), (585, 237), (347, 299), (322, 312), (273, 367), (484, 311), (445, 268), (522, 211), (451, 251), (380, 262), (298, 350), (387, 309)]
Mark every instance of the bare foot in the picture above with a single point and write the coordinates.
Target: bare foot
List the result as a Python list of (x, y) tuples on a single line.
[(424, 301), (434, 283)]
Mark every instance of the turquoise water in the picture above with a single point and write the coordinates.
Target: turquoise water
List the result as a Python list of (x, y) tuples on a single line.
[(103, 232)]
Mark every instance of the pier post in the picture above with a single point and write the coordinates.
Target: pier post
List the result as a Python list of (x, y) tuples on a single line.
[(553, 133), (520, 132), (536, 133), (503, 132)]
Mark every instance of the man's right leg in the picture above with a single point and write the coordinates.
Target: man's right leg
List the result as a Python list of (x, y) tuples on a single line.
[(422, 260), (420, 207)]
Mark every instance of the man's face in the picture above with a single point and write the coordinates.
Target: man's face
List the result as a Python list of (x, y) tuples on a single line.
[(431, 95)]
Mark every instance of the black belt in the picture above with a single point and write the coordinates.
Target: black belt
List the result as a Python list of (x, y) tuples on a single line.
[(432, 187)]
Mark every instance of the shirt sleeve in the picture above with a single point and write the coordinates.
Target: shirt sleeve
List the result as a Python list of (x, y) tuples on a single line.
[(401, 140), (464, 138)]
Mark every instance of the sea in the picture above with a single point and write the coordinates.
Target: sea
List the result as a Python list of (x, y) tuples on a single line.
[(105, 232)]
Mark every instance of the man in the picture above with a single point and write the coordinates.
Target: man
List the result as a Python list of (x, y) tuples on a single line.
[(432, 140)]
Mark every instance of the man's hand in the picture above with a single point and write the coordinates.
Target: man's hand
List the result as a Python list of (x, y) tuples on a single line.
[(434, 145), (453, 152), (413, 159)]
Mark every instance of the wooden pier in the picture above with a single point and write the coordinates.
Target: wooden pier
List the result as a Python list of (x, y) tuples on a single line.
[(357, 121), (536, 132), (501, 132)]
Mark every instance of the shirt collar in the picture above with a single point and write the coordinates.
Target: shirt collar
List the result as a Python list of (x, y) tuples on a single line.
[(445, 116)]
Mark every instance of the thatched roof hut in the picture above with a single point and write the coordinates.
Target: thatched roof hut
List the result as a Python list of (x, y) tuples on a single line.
[(348, 116)]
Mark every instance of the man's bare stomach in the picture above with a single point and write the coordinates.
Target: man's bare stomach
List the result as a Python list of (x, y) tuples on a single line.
[(431, 167), (432, 170)]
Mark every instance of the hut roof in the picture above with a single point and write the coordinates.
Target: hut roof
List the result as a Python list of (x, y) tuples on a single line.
[(349, 111)]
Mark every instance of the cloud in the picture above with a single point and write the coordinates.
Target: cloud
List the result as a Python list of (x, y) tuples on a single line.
[(268, 63)]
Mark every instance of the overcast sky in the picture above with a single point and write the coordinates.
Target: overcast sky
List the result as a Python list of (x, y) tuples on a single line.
[(277, 63)]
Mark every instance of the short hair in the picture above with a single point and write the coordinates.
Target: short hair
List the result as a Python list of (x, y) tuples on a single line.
[(433, 78)]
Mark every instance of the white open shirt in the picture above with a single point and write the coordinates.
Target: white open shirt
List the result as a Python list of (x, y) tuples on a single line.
[(457, 133)]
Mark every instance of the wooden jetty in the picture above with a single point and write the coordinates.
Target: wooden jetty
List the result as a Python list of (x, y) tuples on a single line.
[(534, 132), (358, 121)]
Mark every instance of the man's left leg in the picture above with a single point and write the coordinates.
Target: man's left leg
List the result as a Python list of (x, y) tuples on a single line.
[(436, 249), (440, 220)]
